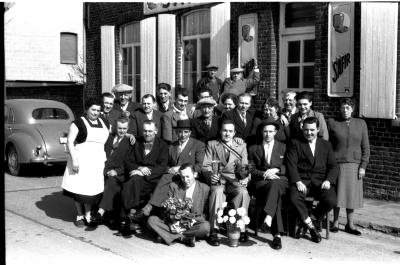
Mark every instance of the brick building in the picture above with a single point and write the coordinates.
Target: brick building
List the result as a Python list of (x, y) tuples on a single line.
[(44, 51), (333, 50)]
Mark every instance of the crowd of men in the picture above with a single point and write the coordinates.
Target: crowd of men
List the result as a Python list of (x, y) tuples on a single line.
[(213, 156)]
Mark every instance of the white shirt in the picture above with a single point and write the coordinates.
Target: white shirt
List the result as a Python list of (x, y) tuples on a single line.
[(181, 146), (312, 146), (190, 190), (149, 115), (124, 107), (268, 150)]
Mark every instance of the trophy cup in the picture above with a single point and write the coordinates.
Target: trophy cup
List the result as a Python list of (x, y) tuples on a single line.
[(215, 167)]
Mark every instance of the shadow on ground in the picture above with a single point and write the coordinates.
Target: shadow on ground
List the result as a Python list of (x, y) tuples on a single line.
[(39, 170), (57, 206)]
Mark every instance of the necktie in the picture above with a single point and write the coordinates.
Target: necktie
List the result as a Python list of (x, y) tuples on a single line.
[(147, 148), (226, 154), (115, 145), (179, 149), (207, 123), (243, 118), (267, 154)]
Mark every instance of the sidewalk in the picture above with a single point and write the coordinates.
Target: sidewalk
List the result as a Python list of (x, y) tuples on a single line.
[(382, 216)]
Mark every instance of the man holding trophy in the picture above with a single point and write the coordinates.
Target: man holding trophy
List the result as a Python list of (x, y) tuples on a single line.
[(222, 169)]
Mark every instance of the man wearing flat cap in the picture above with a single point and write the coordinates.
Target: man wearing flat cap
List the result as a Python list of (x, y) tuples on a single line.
[(124, 94), (210, 81), (237, 85), (268, 180), (205, 127)]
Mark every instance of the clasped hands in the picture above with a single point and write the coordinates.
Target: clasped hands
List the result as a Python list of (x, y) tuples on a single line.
[(141, 171), (271, 174), (326, 185)]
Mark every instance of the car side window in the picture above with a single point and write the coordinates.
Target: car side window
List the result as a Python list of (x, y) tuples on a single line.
[(11, 116), (5, 113), (50, 114)]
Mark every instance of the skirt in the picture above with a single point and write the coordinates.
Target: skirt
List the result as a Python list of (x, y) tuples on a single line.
[(349, 187)]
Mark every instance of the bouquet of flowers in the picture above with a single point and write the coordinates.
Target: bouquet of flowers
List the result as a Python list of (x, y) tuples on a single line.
[(234, 218), (178, 214)]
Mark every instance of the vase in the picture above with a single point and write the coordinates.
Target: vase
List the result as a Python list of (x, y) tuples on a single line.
[(233, 233)]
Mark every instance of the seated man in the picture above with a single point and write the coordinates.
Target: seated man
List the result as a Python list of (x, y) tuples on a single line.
[(204, 93), (185, 150), (186, 187), (268, 181), (312, 171), (146, 163), (117, 148), (225, 183), (147, 112)]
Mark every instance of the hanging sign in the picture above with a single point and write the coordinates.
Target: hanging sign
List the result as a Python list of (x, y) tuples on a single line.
[(154, 8), (341, 50)]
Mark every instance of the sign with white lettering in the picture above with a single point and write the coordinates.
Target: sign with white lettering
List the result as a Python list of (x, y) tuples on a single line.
[(154, 8), (341, 50)]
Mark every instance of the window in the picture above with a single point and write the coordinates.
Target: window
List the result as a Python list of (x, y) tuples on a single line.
[(50, 114), (196, 47), (297, 27), (130, 54), (68, 48)]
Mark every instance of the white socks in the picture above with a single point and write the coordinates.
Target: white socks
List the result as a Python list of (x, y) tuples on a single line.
[(268, 220)]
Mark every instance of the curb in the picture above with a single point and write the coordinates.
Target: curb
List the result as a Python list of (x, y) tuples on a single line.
[(386, 229)]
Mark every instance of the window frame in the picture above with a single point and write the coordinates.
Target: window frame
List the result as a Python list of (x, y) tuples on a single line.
[(68, 61)]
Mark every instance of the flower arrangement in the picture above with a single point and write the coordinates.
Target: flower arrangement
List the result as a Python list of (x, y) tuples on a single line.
[(234, 218), (178, 214)]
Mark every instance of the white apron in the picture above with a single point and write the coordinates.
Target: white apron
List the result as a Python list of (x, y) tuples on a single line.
[(91, 157)]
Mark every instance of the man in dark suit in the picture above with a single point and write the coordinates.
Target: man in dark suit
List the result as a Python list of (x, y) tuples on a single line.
[(147, 112), (117, 148), (146, 163), (124, 94), (205, 127), (185, 150), (210, 81), (268, 180), (243, 119), (186, 187), (312, 170), (108, 113)]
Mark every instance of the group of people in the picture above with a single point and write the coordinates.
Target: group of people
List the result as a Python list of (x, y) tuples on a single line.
[(126, 159)]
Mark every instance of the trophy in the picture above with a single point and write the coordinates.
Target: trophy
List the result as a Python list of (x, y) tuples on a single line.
[(215, 167)]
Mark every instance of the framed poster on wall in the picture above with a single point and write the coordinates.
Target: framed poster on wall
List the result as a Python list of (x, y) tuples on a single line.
[(248, 31), (341, 50)]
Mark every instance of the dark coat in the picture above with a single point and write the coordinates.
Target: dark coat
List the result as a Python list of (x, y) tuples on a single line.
[(215, 87), (193, 153), (112, 118), (117, 158), (303, 166), (156, 160), (295, 131), (202, 133), (132, 107), (243, 131), (138, 119)]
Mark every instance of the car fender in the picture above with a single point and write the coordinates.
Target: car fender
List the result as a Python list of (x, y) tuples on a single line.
[(24, 144)]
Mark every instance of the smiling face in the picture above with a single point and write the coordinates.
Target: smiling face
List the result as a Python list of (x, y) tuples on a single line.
[(236, 75), (183, 135), (206, 110), (149, 132), (310, 131), (181, 102), (124, 97), (122, 128), (304, 105), (270, 111), (289, 101), (188, 176), (93, 112), (227, 132), (229, 104), (108, 104), (163, 95)]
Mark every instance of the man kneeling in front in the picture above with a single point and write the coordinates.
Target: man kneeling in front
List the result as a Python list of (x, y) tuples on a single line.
[(198, 193)]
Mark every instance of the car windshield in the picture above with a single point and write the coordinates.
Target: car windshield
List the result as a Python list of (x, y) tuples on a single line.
[(50, 114)]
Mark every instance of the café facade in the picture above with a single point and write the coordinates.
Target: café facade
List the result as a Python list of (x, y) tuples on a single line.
[(333, 50)]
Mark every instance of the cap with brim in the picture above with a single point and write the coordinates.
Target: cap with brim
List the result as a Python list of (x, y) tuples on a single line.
[(183, 124), (122, 88), (237, 70), (211, 66), (207, 101), (269, 122)]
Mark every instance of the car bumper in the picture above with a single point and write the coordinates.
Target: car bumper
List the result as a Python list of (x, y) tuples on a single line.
[(48, 160)]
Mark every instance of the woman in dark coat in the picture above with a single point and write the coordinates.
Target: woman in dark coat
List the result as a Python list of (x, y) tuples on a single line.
[(349, 138)]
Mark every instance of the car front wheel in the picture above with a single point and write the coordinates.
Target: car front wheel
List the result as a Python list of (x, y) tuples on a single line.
[(13, 161)]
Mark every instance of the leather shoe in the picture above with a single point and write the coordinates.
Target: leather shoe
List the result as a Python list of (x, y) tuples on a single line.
[(334, 229), (138, 217), (244, 237), (315, 236), (301, 230), (189, 241), (125, 229), (79, 223), (96, 218), (352, 231), (213, 239), (277, 243)]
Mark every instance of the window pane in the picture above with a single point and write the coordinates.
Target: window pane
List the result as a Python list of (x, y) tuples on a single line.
[(293, 51), (309, 51), (293, 77), (196, 23), (299, 15), (68, 48), (308, 77), (205, 54), (130, 33), (50, 114), (189, 81), (137, 74), (190, 55)]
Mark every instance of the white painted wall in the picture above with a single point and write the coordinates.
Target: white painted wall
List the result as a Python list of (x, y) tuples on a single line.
[(32, 39)]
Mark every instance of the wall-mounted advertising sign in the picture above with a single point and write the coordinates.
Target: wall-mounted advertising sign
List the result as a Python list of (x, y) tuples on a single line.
[(341, 49), (154, 8)]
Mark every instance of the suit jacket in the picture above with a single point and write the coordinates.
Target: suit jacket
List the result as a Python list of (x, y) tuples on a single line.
[(243, 131), (199, 198), (132, 107), (111, 118), (215, 151), (280, 134), (156, 160), (302, 165), (116, 158), (350, 142), (193, 153), (202, 133), (168, 121), (295, 131), (138, 119), (161, 108), (215, 87)]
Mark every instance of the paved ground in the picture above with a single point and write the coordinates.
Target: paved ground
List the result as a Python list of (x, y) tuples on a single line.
[(39, 230)]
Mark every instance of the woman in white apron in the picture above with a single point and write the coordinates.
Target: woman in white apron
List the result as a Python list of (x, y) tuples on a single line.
[(83, 178)]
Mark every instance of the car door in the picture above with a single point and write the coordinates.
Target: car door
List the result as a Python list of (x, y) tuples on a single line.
[(8, 121)]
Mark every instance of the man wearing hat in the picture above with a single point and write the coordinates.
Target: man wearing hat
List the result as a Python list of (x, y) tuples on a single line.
[(124, 94), (237, 85), (164, 102), (268, 180), (210, 81), (205, 127), (185, 150)]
